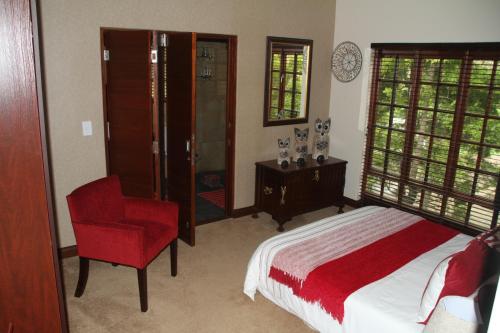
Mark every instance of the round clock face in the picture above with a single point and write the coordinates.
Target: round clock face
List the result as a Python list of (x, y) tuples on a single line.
[(346, 61)]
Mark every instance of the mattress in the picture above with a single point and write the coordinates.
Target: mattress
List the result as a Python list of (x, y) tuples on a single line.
[(387, 305)]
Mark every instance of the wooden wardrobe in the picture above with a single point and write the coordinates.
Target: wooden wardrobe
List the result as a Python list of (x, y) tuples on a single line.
[(31, 296)]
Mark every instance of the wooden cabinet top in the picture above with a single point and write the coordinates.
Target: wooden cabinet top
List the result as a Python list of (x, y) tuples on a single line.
[(310, 163)]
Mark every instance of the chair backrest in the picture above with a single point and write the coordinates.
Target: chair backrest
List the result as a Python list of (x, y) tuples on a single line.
[(98, 201)]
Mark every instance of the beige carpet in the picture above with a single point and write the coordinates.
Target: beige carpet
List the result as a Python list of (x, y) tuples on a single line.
[(206, 295)]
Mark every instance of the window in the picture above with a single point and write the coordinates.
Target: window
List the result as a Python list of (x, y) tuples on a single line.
[(433, 141)]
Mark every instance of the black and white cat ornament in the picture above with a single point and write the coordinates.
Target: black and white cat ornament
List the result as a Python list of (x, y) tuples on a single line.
[(321, 140), (300, 153), (284, 152)]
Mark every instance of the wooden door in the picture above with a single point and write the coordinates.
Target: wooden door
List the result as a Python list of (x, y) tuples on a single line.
[(181, 104), (31, 297), (129, 110)]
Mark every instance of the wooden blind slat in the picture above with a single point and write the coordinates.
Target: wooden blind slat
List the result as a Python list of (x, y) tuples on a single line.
[(432, 141)]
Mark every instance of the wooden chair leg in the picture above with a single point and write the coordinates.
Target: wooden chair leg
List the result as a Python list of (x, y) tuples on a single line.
[(173, 257), (142, 277), (82, 277)]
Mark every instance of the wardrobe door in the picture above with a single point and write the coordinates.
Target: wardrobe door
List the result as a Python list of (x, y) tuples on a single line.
[(129, 110), (31, 297), (181, 104)]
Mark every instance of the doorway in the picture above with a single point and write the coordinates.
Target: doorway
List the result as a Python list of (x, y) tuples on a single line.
[(211, 122), (151, 80)]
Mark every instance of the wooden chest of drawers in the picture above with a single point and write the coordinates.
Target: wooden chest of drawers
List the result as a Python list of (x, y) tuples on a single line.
[(284, 193)]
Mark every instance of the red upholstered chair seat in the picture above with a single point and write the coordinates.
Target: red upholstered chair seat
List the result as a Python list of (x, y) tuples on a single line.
[(121, 230), (128, 242)]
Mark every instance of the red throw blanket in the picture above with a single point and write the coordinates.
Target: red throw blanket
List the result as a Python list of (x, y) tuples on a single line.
[(337, 240), (331, 283)]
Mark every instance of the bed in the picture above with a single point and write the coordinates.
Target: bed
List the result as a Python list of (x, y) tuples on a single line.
[(388, 304)]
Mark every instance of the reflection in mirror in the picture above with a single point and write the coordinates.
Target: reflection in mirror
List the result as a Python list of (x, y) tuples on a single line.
[(288, 76)]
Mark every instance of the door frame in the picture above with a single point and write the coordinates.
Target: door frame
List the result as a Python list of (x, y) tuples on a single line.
[(49, 192), (232, 44)]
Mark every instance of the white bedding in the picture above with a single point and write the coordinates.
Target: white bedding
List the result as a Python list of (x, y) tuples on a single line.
[(387, 305)]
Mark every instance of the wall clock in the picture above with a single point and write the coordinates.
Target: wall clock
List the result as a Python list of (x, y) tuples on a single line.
[(346, 61)]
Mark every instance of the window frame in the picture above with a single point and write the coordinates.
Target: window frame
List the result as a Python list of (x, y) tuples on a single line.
[(466, 52), (293, 45)]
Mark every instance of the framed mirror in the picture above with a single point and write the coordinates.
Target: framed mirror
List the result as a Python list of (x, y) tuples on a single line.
[(288, 78)]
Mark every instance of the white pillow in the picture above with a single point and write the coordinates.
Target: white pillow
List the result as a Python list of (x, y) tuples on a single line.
[(464, 308), (433, 290), (454, 314)]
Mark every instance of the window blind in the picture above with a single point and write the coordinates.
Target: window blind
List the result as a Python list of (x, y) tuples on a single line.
[(433, 139)]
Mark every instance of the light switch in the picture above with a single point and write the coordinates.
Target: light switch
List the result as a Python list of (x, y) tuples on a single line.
[(87, 128)]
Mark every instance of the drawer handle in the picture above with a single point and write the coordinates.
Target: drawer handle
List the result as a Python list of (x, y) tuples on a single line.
[(283, 192), (268, 190), (316, 175)]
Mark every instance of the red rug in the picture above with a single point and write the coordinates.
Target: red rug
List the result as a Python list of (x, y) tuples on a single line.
[(217, 197)]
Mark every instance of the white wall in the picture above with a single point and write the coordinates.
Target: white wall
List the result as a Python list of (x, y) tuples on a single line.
[(405, 21), (71, 48)]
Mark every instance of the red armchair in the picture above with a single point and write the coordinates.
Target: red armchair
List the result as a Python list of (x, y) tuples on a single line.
[(121, 230)]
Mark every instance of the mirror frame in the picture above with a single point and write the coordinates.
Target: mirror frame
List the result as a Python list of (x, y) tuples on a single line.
[(267, 89)]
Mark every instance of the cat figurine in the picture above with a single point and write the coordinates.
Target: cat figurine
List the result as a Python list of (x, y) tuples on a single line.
[(321, 139), (301, 137), (283, 149)]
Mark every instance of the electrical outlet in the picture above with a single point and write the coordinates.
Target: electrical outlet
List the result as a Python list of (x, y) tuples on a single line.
[(87, 128)]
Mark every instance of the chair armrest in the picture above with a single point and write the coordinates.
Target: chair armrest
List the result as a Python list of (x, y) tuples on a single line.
[(166, 212), (114, 242)]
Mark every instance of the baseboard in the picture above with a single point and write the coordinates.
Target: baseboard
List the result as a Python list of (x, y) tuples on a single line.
[(67, 252), (353, 203), (253, 210), (244, 211)]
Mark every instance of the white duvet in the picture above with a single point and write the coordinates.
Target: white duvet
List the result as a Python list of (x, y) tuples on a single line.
[(389, 305)]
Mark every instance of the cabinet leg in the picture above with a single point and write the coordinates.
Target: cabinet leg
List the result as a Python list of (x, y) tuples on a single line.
[(280, 223), (255, 216), (341, 209)]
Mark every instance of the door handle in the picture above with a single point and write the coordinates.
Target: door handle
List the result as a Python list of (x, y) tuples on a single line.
[(156, 148), (283, 192), (188, 150), (316, 175)]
